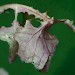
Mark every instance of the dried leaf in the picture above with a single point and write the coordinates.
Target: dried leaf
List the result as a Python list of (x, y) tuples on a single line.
[(31, 44)]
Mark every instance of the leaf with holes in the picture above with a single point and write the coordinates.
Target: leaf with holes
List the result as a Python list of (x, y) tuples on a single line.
[(31, 44)]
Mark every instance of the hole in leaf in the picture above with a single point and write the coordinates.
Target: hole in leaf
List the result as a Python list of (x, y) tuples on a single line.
[(7, 17), (35, 23), (22, 17)]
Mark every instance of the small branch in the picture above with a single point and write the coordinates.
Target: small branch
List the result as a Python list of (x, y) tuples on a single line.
[(67, 22)]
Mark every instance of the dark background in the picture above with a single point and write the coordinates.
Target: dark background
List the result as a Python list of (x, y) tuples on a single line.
[(63, 62)]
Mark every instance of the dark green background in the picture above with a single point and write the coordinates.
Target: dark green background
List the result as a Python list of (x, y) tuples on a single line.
[(63, 62)]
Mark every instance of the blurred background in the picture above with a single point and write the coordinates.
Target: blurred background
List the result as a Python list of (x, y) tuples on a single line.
[(63, 62)]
